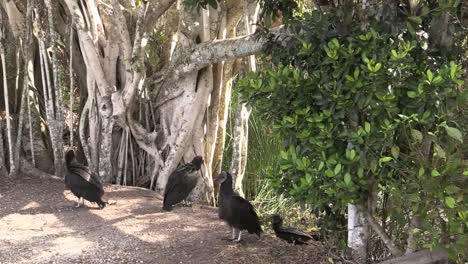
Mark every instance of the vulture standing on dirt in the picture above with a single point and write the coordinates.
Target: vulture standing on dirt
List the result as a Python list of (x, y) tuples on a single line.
[(291, 235), (181, 183), (236, 211), (82, 182)]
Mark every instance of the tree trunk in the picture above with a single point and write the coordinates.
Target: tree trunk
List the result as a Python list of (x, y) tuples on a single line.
[(3, 170), (411, 245), (57, 85), (240, 144), (27, 58), (6, 98), (358, 233), (241, 130), (108, 57)]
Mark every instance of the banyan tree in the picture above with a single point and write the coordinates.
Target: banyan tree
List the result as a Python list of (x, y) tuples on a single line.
[(138, 86)]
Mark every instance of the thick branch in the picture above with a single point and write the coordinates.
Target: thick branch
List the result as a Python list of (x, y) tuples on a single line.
[(120, 22), (213, 52), (381, 233), (89, 50), (137, 58), (216, 51), (155, 10), (420, 257), (15, 18)]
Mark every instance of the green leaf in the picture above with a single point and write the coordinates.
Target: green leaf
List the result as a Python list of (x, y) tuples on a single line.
[(438, 79), (303, 134), (395, 151), (284, 155), (349, 78), (450, 202), (377, 67), (329, 173), (335, 42), (356, 73), (321, 165), (289, 119), (347, 178), (417, 135), (465, 173), (352, 154), (435, 173), (453, 70), (360, 172), (384, 160), (454, 133), (308, 178), (429, 75), (337, 168), (415, 19), (439, 151), (412, 94), (452, 189), (421, 172), (367, 127)]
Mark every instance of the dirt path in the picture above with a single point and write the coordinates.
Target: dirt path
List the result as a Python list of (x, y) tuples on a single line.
[(39, 225)]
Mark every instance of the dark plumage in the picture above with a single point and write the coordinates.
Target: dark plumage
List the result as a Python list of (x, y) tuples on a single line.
[(291, 235), (82, 182), (181, 183), (236, 211)]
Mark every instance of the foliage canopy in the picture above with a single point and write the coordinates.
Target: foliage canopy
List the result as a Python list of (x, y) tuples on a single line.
[(372, 106)]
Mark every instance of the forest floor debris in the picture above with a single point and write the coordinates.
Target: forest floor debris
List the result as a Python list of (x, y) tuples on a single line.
[(38, 224)]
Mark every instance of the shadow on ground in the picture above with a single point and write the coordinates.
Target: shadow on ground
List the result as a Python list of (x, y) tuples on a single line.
[(38, 224)]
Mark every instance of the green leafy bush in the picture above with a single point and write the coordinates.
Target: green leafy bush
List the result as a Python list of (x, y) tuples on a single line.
[(366, 112)]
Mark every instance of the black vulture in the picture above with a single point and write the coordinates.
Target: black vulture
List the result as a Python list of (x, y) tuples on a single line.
[(236, 211), (291, 235), (82, 182), (181, 183)]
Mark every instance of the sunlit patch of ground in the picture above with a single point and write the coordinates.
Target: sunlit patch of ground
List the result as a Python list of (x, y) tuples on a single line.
[(38, 224)]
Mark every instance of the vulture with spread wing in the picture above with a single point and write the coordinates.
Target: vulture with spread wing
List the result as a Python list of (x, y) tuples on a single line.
[(82, 182)]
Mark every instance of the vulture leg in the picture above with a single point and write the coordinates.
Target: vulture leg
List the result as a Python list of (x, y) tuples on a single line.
[(79, 203), (186, 203), (233, 236), (240, 237)]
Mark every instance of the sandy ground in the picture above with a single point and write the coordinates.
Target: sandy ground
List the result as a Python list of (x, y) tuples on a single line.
[(38, 224)]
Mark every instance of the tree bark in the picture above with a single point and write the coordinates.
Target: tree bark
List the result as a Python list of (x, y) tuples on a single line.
[(380, 232), (420, 257), (27, 58), (358, 233), (411, 245), (3, 170), (239, 149), (6, 98)]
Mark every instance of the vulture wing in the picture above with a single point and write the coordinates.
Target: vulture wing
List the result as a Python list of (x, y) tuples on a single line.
[(297, 233), (179, 183), (246, 216), (85, 173)]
